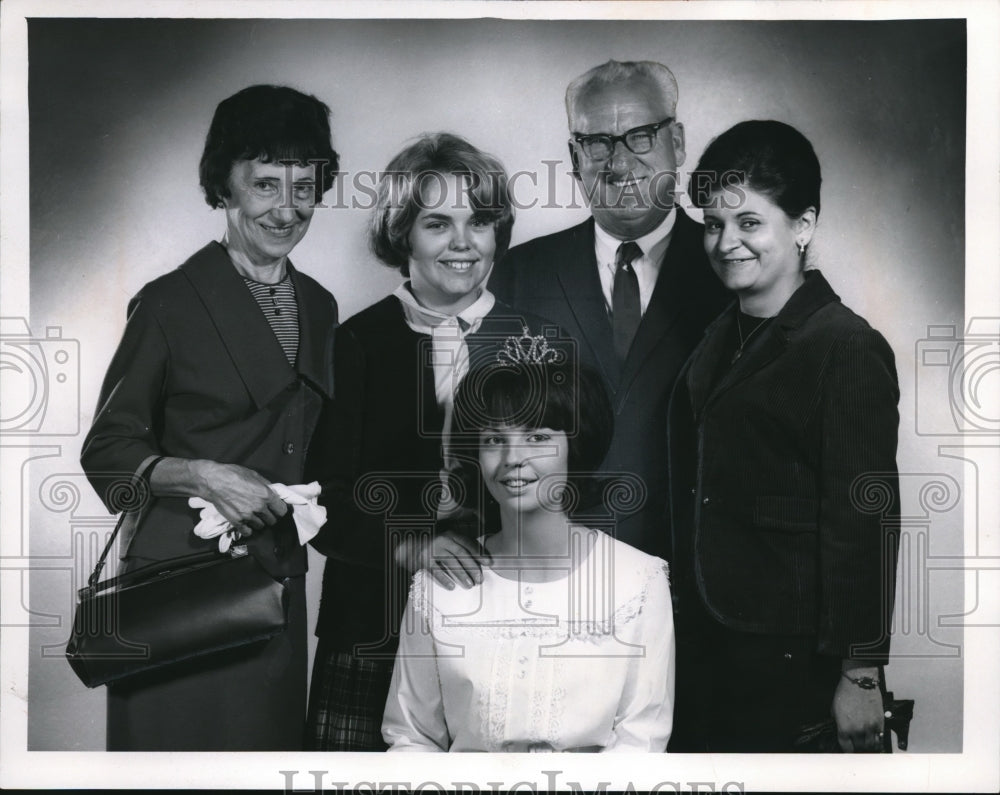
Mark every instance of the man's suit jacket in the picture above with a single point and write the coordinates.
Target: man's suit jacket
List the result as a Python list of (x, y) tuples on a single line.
[(556, 277), (200, 374), (785, 515)]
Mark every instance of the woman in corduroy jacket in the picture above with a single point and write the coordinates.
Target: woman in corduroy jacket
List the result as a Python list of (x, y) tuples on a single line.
[(783, 434)]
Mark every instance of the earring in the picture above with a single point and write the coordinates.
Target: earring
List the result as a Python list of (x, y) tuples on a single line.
[(802, 249)]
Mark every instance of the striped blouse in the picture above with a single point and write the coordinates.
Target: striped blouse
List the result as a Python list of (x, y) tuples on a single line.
[(278, 303)]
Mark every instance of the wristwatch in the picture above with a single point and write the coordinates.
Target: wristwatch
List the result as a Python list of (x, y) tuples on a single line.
[(864, 682)]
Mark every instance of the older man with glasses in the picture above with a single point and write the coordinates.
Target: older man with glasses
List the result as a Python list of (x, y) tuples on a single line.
[(631, 284)]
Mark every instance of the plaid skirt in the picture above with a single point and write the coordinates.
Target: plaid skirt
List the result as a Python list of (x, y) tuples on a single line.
[(346, 702)]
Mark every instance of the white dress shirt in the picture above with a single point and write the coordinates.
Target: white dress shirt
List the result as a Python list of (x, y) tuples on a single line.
[(647, 267), (581, 663)]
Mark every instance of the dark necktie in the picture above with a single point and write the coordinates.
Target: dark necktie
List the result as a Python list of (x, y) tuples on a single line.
[(626, 312)]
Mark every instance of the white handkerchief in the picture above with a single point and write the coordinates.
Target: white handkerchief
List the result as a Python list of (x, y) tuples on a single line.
[(307, 514)]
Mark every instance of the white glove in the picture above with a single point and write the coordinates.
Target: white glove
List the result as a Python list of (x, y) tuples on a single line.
[(307, 514)]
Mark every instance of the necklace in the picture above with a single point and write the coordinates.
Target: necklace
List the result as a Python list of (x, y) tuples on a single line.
[(745, 340)]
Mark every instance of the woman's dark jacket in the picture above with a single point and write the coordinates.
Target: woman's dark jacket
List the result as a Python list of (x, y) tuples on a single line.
[(200, 374), (784, 488)]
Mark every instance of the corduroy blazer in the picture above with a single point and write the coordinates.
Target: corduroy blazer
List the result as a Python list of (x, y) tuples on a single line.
[(785, 491), (556, 277), (200, 374)]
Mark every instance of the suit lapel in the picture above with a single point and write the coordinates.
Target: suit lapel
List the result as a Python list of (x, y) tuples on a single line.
[(317, 320), (704, 360), (245, 332), (581, 285), (771, 344), (409, 353), (813, 294)]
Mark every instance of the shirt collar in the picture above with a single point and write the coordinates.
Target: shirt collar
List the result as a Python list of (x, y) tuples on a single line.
[(422, 319), (653, 244)]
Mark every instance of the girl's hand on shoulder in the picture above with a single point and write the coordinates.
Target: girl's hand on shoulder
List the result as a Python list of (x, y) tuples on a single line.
[(451, 558)]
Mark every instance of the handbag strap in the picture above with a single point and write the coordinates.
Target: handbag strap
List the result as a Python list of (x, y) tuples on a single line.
[(157, 568), (99, 567)]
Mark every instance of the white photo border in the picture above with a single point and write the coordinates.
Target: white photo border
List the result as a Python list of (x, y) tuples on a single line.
[(974, 769)]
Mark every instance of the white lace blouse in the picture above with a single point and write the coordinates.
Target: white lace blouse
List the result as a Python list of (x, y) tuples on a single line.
[(582, 663)]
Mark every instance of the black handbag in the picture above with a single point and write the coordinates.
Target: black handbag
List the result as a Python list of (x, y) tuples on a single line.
[(171, 611)]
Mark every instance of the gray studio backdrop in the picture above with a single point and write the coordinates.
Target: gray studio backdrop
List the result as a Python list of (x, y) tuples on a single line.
[(118, 114)]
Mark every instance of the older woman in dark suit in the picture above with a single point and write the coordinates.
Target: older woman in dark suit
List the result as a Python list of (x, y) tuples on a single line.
[(783, 423), (213, 393)]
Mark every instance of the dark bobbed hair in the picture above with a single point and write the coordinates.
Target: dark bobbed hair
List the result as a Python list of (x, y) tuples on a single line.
[(270, 123), (559, 395), (770, 157), (433, 157)]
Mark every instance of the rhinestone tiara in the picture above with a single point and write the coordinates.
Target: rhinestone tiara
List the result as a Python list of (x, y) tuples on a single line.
[(526, 349)]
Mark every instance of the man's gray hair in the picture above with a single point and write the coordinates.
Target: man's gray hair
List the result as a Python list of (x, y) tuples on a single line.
[(617, 72)]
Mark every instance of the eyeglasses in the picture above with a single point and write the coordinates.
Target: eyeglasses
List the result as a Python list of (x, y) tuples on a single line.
[(638, 140)]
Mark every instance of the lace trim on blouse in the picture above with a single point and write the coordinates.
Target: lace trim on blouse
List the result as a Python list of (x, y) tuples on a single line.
[(541, 627)]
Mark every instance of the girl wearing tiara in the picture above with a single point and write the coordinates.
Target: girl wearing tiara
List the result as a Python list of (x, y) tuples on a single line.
[(567, 644)]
